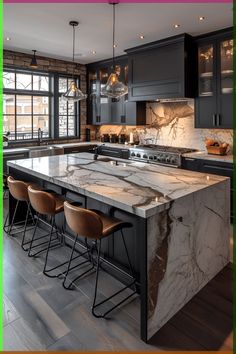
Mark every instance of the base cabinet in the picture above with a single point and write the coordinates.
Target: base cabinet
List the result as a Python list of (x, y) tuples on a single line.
[(211, 167)]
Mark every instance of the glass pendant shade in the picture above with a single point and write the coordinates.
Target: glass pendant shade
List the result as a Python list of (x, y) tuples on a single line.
[(74, 94), (34, 63), (114, 88)]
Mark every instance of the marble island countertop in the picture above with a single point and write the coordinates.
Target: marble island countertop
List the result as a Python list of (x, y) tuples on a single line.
[(135, 187)]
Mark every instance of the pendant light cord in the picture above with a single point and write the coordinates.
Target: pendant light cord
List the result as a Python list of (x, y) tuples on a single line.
[(73, 58), (113, 39)]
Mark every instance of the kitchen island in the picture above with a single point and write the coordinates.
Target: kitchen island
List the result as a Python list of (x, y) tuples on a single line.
[(180, 238)]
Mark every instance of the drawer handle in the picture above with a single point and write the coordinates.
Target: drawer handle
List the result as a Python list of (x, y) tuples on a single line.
[(189, 159)]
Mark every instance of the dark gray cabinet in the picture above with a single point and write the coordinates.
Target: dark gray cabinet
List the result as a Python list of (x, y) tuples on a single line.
[(105, 110), (214, 103), (13, 156), (163, 69), (80, 148), (211, 167)]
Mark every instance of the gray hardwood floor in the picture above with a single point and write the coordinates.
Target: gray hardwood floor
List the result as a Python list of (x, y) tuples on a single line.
[(40, 315)]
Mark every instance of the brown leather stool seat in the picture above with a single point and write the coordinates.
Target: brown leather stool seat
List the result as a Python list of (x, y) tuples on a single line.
[(45, 203), (96, 225), (19, 191)]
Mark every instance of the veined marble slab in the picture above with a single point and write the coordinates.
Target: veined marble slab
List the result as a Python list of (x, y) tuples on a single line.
[(188, 244), (136, 187)]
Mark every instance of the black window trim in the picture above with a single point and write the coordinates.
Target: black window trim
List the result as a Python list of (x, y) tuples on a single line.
[(53, 111)]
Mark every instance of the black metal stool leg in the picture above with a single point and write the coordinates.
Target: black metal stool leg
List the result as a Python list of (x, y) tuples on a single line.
[(68, 267), (49, 244), (13, 218), (33, 237), (24, 231), (118, 292)]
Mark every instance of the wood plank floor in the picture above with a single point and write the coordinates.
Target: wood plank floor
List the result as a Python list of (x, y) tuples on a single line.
[(40, 315)]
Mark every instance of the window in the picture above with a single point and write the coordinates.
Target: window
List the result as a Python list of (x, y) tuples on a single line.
[(26, 104), (32, 99), (68, 112)]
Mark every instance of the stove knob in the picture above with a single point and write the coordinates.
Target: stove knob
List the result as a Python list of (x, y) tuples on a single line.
[(155, 157), (158, 157), (144, 156), (167, 158), (163, 158), (138, 155), (150, 157), (132, 154), (173, 160)]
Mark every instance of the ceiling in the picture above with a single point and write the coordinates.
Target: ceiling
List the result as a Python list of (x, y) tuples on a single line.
[(45, 27)]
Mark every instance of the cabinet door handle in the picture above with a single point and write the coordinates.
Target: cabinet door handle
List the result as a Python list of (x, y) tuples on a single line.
[(218, 119), (189, 159), (214, 120)]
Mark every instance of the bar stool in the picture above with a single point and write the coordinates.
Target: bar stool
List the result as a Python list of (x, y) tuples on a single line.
[(45, 204), (19, 191), (96, 225)]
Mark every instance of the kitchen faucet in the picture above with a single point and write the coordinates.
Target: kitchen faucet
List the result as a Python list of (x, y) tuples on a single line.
[(40, 136)]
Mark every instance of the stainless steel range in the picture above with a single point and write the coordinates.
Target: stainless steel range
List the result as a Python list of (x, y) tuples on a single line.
[(158, 154)]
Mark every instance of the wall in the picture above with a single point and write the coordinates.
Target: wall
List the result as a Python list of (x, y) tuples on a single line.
[(22, 60), (171, 124)]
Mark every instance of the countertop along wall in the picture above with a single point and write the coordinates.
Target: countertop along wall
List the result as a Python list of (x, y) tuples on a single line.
[(23, 60), (171, 124)]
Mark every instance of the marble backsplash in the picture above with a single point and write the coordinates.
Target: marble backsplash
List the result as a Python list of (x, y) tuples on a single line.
[(171, 124)]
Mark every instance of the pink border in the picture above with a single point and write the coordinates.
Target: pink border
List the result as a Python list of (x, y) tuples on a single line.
[(121, 1)]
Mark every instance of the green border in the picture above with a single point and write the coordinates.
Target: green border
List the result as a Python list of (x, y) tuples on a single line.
[(1, 178)]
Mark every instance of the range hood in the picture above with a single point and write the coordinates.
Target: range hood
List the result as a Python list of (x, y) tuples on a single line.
[(164, 70)]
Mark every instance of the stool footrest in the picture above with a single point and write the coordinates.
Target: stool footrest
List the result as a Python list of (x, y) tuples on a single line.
[(111, 297)]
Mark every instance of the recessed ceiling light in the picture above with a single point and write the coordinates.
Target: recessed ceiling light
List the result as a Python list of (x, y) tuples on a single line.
[(201, 18), (8, 38), (94, 52), (176, 26), (141, 36)]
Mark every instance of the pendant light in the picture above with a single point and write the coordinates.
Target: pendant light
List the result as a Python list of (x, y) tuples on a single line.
[(74, 94), (34, 63), (114, 88)]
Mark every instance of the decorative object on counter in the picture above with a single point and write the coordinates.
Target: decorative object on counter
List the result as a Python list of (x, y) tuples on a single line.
[(131, 138), (114, 88), (215, 148), (105, 138), (74, 94), (114, 138), (122, 138), (34, 64), (87, 134)]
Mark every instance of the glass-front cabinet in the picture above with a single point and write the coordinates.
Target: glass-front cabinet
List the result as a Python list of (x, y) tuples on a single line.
[(226, 66), (106, 110), (214, 104), (206, 57)]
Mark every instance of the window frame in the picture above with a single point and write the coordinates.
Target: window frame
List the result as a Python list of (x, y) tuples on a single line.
[(57, 96), (31, 93), (53, 95)]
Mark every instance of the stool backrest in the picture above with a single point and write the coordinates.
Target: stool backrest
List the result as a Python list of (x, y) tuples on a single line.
[(82, 221), (18, 189), (42, 202)]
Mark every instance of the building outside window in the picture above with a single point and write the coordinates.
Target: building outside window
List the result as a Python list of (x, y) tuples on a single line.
[(27, 105)]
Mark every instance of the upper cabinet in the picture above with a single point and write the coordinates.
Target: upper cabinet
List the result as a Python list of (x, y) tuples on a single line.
[(214, 104), (163, 69), (105, 110)]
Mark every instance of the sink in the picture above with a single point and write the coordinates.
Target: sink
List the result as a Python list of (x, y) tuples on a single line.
[(40, 151)]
